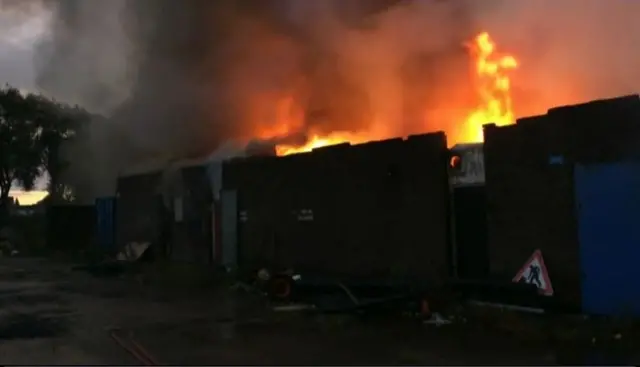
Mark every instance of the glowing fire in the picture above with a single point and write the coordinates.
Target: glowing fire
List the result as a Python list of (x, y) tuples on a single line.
[(318, 141), (492, 86)]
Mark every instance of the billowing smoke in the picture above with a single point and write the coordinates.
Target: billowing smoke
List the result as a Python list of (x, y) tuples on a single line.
[(87, 58), (570, 50), (180, 78)]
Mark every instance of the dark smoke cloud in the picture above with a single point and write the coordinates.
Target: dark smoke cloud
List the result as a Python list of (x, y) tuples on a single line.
[(86, 58), (179, 78)]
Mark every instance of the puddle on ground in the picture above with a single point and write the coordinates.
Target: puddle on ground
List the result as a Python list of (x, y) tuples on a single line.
[(31, 326)]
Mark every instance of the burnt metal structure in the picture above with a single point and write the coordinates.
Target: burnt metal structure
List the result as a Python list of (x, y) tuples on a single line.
[(377, 210), (529, 170), (405, 210)]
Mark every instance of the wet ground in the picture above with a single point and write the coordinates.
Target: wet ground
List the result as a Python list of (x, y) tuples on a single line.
[(52, 315)]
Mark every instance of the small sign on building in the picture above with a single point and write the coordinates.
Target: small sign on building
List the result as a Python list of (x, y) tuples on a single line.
[(466, 166), (303, 215)]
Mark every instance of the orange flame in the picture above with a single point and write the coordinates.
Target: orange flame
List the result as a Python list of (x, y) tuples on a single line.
[(492, 86), (289, 120), (319, 141)]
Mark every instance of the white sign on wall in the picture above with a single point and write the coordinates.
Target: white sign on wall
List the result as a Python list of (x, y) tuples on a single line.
[(467, 165)]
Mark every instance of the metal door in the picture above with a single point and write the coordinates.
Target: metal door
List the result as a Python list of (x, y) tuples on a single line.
[(229, 223), (470, 216), (608, 200)]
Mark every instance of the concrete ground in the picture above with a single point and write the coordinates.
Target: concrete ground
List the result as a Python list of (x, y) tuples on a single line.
[(51, 315)]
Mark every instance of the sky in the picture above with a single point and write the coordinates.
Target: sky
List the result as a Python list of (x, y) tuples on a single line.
[(17, 40), (570, 51)]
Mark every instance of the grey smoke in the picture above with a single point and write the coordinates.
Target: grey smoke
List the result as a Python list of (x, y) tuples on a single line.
[(87, 57), (180, 78)]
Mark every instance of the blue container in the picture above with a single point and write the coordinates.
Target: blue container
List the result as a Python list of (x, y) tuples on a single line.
[(105, 216), (608, 203)]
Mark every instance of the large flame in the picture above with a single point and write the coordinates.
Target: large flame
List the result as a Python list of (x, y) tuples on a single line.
[(318, 141), (288, 125), (492, 88)]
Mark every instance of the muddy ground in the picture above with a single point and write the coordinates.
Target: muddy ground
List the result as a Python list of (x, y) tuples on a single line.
[(50, 314)]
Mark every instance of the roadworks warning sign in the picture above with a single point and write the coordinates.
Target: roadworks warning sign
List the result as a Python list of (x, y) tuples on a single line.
[(535, 272)]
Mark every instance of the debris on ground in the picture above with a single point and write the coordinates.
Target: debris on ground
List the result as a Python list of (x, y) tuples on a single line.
[(247, 328), (133, 251), (437, 320), (126, 260)]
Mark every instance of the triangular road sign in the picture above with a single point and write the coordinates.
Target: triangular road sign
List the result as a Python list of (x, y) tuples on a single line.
[(534, 271)]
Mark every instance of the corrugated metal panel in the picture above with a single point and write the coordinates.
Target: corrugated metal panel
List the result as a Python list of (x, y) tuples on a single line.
[(105, 216), (530, 206), (229, 223), (376, 210), (138, 214), (530, 184), (192, 230), (608, 199)]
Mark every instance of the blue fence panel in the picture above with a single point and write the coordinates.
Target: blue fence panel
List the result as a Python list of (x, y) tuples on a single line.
[(105, 216), (608, 203)]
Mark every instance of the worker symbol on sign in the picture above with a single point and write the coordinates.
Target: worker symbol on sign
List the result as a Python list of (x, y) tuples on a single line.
[(535, 272), (534, 275)]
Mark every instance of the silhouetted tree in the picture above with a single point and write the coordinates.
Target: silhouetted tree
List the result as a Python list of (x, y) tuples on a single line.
[(58, 123), (20, 152), (32, 130)]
